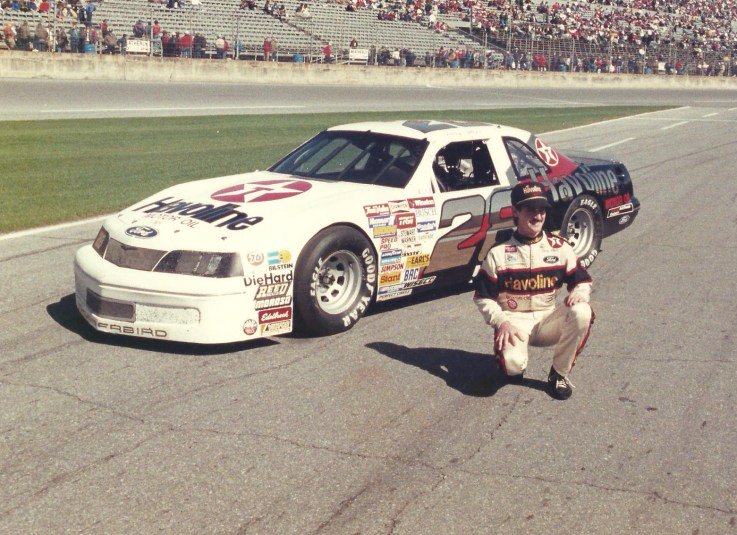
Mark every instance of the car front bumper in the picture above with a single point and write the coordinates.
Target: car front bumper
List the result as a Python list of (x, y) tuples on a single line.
[(161, 305)]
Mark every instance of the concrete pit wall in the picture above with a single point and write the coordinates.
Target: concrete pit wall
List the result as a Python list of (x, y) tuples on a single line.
[(15, 64)]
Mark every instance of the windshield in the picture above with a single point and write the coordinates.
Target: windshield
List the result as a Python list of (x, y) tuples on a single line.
[(361, 157)]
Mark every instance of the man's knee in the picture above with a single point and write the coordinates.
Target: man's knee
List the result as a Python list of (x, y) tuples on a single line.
[(581, 315), (514, 363)]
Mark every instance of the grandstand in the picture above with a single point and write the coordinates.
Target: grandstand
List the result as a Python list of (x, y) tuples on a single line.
[(631, 36)]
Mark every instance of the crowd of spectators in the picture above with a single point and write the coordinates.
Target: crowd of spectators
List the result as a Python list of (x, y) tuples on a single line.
[(698, 27)]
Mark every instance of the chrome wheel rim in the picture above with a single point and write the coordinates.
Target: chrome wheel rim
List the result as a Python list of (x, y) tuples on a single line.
[(339, 282), (580, 231)]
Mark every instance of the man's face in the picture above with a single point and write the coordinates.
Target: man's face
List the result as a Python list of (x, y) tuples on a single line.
[(530, 220)]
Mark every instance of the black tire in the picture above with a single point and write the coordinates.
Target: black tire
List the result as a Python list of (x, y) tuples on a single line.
[(335, 281), (583, 228)]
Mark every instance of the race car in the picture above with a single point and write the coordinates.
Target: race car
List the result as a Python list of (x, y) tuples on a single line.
[(361, 213)]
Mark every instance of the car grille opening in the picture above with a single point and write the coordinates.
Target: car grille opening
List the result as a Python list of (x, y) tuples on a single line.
[(109, 308)]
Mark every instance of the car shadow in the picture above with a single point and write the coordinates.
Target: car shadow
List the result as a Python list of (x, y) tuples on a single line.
[(65, 313), (472, 374)]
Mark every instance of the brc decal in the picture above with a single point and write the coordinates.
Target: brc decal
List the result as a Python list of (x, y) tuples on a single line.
[(411, 274)]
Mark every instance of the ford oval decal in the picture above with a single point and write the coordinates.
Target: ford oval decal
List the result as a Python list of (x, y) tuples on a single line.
[(141, 232), (624, 219)]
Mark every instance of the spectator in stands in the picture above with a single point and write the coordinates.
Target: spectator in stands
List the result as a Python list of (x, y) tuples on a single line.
[(41, 38), (156, 30), (327, 52), (31, 6), (281, 13), (23, 36), (110, 42), (61, 40), (354, 43), (74, 37), (198, 46), (123, 44), (303, 11), (269, 7), (185, 44), (44, 6), (267, 47), (138, 29), (89, 9), (9, 35), (220, 45)]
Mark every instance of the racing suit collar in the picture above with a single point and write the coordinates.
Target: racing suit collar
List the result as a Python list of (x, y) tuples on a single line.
[(527, 241)]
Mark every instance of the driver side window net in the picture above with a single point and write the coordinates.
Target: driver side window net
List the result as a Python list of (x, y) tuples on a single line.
[(464, 165), (526, 163)]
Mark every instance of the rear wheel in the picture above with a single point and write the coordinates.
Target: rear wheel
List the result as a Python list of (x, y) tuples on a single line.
[(583, 228), (335, 281)]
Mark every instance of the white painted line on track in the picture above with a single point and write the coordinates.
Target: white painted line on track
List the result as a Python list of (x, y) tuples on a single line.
[(39, 230), (597, 149), (710, 114), (618, 119), (732, 109), (171, 108), (674, 125)]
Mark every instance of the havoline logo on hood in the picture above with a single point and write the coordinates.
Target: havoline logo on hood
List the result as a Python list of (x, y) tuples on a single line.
[(225, 215)]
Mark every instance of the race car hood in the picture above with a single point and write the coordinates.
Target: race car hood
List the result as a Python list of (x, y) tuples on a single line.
[(219, 213)]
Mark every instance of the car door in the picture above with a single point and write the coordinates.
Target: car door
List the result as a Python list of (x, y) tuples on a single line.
[(474, 204)]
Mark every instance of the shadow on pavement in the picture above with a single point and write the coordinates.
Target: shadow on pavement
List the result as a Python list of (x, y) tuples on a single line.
[(472, 374), (65, 313)]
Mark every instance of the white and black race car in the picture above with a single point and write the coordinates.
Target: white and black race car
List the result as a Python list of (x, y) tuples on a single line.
[(359, 213)]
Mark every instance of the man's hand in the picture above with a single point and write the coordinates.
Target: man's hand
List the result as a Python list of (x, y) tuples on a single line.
[(506, 334), (572, 299)]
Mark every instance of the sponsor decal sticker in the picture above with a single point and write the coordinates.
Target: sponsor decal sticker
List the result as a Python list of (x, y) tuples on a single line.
[(275, 314), (619, 210), (426, 226), (275, 258), (262, 191), (141, 232), (405, 221), (510, 248), (419, 260), (391, 267), (512, 304), (272, 290), (267, 278), (546, 152), (378, 221), (250, 327), (392, 277), (374, 210), (550, 259), (412, 274), (419, 282), (388, 242), (383, 232), (255, 258), (398, 206), (390, 256), (617, 200), (624, 220), (261, 304), (421, 202), (276, 327), (393, 295)]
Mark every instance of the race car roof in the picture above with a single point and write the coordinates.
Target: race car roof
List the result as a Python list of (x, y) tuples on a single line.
[(432, 130)]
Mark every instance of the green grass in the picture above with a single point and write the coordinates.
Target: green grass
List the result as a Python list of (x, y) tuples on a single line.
[(56, 171)]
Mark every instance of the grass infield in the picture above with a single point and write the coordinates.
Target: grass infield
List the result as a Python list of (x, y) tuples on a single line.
[(63, 170)]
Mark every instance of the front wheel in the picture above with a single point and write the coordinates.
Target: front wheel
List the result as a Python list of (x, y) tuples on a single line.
[(583, 228), (335, 281)]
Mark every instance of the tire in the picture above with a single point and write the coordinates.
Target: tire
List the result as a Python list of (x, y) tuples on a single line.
[(583, 228), (335, 281)]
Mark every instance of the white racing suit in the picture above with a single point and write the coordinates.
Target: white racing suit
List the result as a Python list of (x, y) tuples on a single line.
[(518, 283)]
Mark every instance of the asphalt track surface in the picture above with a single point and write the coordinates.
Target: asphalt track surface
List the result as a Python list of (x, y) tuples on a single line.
[(401, 425)]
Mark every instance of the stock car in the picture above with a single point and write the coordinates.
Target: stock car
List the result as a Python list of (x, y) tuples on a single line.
[(361, 213)]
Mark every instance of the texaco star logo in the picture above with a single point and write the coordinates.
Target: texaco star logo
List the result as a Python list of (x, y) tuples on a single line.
[(261, 191), (547, 153)]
